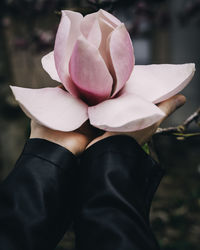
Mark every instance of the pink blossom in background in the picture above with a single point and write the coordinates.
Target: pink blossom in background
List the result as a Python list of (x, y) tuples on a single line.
[(93, 58)]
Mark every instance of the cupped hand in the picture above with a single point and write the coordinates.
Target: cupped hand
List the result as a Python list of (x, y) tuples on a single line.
[(75, 141), (144, 135)]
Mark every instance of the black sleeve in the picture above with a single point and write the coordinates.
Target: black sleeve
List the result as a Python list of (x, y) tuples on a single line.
[(117, 181), (36, 198)]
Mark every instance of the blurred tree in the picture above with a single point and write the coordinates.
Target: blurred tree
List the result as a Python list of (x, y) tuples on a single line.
[(151, 10), (190, 12)]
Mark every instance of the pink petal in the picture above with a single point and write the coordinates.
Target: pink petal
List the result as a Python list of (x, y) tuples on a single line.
[(157, 83), (106, 29), (89, 72), (91, 30), (52, 107), (121, 56), (125, 113), (48, 64), (67, 34), (109, 18)]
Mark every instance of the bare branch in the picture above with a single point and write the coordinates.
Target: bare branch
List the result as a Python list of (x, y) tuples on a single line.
[(179, 131), (194, 117)]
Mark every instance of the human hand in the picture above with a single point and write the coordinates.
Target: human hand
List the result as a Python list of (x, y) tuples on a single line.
[(144, 135), (75, 141)]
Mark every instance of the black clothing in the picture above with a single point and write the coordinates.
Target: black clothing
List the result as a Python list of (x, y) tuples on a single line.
[(117, 181), (114, 185), (36, 198)]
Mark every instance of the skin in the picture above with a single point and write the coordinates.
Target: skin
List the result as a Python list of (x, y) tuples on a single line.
[(75, 141), (78, 140)]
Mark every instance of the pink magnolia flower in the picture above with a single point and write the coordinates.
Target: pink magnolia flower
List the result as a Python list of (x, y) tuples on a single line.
[(93, 58)]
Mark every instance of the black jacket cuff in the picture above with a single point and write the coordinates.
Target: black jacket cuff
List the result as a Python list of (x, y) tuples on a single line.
[(36, 199), (117, 181), (49, 151), (148, 170)]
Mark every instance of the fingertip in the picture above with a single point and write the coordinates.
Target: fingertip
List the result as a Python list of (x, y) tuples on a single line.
[(180, 100)]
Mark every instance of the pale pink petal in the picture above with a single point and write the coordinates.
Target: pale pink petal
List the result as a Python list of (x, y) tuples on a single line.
[(48, 64), (89, 72), (67, 34), (106, 30), (157, 83), (109, 18), (121, 56), (52, 107), (91, 30), (125, 113), (87, 23)]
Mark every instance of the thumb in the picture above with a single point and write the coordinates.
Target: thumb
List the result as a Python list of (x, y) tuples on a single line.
[(171, 105)]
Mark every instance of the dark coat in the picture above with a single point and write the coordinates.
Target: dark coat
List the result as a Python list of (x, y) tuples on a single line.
[(107, 192)]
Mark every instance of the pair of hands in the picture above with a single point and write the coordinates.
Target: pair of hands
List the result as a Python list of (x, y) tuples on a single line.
[(82, 138)]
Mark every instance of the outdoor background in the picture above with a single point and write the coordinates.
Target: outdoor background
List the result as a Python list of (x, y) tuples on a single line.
[(162, 32)]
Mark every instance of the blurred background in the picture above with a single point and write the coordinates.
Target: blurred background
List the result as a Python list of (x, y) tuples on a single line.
[(162, 32)]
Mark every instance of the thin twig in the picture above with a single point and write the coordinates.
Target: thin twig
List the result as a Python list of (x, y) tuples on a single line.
[(166, 131), (194, 117), (180, 129)]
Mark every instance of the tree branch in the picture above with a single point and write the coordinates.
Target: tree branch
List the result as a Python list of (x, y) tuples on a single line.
[(180, 130), (194, 117)]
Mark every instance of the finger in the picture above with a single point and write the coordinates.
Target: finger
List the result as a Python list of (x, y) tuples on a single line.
[(33, 124), (170, 105)]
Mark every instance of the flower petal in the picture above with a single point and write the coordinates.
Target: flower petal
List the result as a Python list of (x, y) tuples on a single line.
[(48, 64), (52, 107), (106, 30), (91, 30), (121, 55), (67, 34), (109, 18), (157, 83), (126, 113), (89, 72)]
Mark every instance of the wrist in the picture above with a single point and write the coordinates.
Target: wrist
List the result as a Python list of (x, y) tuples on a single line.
[(75, 141), (70, 141)]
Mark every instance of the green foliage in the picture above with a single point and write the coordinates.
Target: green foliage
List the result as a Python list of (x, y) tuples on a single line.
[(146, 148)]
